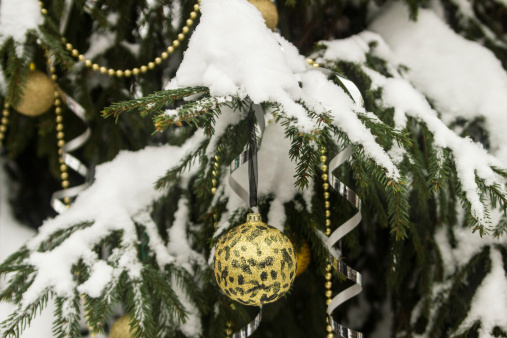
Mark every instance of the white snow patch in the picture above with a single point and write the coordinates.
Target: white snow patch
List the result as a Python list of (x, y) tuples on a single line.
[(17, 17)]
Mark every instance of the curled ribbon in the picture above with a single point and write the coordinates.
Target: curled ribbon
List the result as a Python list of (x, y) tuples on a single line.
[(71, 161), (240, 160), (346, 227)]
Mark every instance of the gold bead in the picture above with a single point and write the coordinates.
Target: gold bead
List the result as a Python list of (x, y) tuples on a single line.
[(44, 11), (60, 135), (88, 63), (214, 173), (323, 167), (1, 136), (75, 52), (6, 105), (60, 143), (181, 36), (59, 126), (69, 47), (3, 128), (190, 22), (316, 65), (5, 120), (65, 184), (6, 112), (176, 43), (64, 176), (328, 213), (170, 49), (214, 182), (54, 77), (96, 67), (323, 158), (213, 191), (67, 200), (328, 232), (63, 167), (324, 177), (135, 71), (60, 152), (322, 149), (325, 186), (328, 276), (52, 69), (151, 65), (330, 335), (158, 61), (103, 70), (193, 15), (80, 57), (185, 30), (59, 120), (128, 73), (228, 332), (41, 4), (328, 222), (111, 72), (164, 55), (326, 195), (57, 94), (326, 204), (329, 293), (329, 328), (144, 69), (196, 7), (119, 73), (328, 285), (57, 102), (310, 61), (61, 162), (58, 111)]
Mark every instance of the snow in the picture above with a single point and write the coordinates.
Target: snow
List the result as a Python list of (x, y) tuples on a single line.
[(122, 189), (461, 77), (489, 304), (12, 236), (17, 17)]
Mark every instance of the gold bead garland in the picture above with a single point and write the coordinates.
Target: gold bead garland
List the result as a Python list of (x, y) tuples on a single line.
[(4, 122), (135, 71), (328, 276), (60, 136)]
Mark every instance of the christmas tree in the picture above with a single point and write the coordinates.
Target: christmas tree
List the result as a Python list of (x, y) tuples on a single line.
[(234, 168)]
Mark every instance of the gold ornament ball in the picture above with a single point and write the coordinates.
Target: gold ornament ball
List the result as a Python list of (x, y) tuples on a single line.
[(38, 94), (121, 328), (303, 256), (254, 263), (268, 11)]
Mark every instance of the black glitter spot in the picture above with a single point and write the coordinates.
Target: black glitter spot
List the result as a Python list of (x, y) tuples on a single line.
[(243, 248), (275, 250), (253, 235), (219, 266), (227, 253), (267, 241), (273, 274), (264, 276), (231, 290), (287, 258), (285, 286), (291, 274), (231, 279), (236, 253), (241, 279)]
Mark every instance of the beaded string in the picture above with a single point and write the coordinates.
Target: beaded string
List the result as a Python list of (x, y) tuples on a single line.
[(134, 71), (4, 122)]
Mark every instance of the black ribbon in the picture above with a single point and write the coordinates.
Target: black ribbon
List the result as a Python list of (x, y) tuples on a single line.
[(252, 155)]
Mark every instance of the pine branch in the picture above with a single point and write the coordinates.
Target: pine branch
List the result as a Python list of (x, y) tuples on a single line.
[(153, 103)]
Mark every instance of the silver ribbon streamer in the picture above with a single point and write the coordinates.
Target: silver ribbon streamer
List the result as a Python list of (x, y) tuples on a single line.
[(250, 328), (243, 158), (346, 227), (245, 196), (71, 161)]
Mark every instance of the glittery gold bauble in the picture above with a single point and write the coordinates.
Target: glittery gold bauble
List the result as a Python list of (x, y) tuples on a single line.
[(121, 328), (38, 94), (268, 10), (303, 256), (254, 263)]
